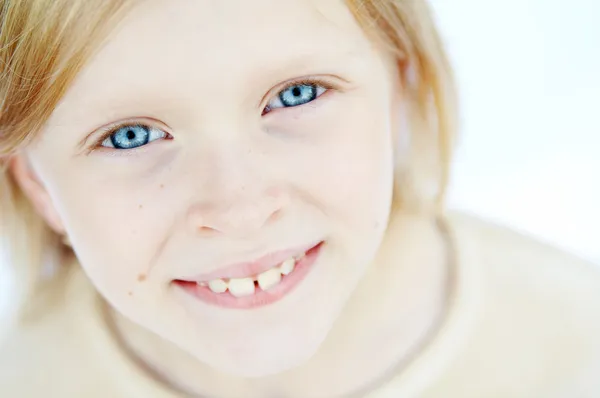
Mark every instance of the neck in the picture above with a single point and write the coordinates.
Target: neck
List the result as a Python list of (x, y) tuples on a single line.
[(394, 312)]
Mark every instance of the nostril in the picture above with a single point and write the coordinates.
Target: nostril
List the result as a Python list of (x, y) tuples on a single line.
[(204, 230), (275, 216)]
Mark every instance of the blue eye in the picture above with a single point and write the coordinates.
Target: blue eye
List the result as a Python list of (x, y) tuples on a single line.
[(296, 95), (132, 136)]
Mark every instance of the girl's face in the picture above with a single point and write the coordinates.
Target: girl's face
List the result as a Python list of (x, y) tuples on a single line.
[(209, 134)]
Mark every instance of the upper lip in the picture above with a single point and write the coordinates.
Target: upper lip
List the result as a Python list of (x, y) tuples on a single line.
[(251, 268)]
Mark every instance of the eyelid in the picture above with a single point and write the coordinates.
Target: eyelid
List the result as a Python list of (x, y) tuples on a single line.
[(308, 80), (105, 131)]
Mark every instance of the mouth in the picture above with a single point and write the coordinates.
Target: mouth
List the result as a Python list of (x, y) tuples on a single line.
[(252, 285)]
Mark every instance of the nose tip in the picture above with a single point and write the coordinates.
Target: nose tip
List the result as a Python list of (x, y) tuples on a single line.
[(236, 218)]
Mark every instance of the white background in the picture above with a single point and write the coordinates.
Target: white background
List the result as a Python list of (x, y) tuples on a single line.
[(529, 75)]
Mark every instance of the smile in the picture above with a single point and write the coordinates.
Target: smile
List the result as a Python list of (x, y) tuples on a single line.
[(251, 285)]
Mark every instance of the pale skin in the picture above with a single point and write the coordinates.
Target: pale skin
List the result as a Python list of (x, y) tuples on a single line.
[(234, 174)]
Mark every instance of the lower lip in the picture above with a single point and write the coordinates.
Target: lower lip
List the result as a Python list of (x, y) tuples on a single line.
[(260, 297)]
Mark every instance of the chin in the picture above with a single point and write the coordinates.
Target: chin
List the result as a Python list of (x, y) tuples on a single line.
[(263, 352), (258, 363)]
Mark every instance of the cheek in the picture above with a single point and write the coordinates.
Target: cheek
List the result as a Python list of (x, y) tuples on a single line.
[(117, 231), (353, 177)]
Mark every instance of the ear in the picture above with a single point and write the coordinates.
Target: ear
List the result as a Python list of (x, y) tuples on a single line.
[(25, 176)]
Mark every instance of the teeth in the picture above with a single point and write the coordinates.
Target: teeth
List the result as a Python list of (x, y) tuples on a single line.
[(269, 278), (287, 266), (241, 287), (218, 286)]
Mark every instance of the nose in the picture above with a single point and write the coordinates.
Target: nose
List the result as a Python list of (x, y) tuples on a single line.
[(240, 216)]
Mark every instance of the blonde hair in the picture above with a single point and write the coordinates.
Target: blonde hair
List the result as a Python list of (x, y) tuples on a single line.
[(45, 43)]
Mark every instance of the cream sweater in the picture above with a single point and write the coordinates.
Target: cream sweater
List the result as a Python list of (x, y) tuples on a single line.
[(524, 323)]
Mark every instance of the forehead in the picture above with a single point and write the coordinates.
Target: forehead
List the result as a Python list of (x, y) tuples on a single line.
[(222, 35), (183, 48)]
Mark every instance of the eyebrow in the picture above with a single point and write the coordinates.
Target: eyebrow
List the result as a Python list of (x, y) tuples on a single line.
[(310, 60), (336, 64)]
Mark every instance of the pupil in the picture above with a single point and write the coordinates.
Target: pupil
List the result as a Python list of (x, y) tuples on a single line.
[(296, 92), (130, 134)]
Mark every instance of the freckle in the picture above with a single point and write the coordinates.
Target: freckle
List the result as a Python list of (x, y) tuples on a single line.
[(130, 293), (141, 207), (162, 186), (141, 277)]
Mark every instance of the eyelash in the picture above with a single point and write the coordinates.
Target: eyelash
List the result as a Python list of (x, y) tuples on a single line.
[(303, 82), (109, 131)]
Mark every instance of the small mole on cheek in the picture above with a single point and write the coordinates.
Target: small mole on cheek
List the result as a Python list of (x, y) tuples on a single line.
[(140, 207), (162, 186), (130, 293), (141, 277)]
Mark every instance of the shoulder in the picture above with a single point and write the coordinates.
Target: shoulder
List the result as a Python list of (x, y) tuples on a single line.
[(538, 325), (46, 354), (512, 262)]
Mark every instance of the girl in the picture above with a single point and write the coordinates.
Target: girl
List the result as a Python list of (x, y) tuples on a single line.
[(245, 199)]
